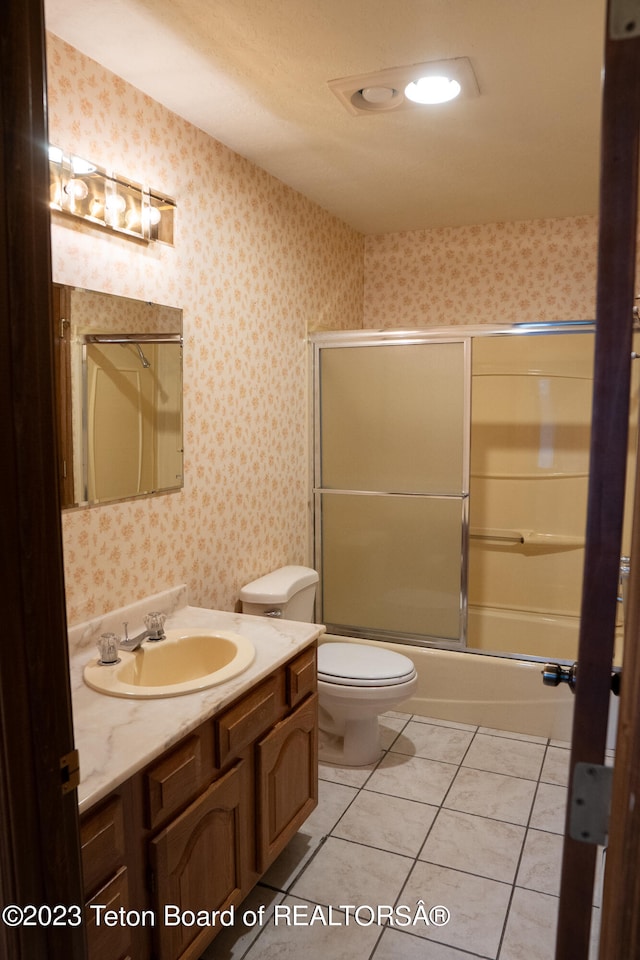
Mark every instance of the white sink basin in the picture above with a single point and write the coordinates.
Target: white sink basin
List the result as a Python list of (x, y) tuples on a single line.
[(187, 661)]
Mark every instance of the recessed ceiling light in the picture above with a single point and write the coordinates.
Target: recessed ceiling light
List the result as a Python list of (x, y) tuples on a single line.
[(433, 89), (378, 94), (401, 88)]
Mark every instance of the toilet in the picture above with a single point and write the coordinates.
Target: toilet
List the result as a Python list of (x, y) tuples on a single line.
[(356, 681)]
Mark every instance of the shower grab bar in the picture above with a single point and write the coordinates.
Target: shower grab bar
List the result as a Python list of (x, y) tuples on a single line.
[(526, 537)]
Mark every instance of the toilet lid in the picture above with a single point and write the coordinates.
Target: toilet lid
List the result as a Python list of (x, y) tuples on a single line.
[(360, 665)]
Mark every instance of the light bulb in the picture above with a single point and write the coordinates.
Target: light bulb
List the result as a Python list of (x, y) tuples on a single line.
[(432, 90), (132, 219), (116, 204), (76, 188)]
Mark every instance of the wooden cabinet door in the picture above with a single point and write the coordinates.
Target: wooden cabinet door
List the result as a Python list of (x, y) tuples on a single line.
[(287, 766), (197, 862), (106, 942)]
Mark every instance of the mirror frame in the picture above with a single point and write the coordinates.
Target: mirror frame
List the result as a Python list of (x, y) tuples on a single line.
[(73, 333)]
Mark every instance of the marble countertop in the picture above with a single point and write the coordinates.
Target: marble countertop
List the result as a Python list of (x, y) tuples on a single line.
[(116, 736)]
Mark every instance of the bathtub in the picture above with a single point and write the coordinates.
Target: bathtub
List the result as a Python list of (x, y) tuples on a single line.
[(551, 636), (503, 693)]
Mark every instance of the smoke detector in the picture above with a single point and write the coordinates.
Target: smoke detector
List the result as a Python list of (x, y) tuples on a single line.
[(403, 87)]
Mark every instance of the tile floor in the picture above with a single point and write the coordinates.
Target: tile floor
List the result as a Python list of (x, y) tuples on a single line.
[(452, 815)]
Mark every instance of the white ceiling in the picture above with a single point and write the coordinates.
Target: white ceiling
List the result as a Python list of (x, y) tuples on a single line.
[(254, 74)]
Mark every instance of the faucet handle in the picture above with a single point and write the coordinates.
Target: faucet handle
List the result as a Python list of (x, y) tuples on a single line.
[(108, 644), (154, 622)]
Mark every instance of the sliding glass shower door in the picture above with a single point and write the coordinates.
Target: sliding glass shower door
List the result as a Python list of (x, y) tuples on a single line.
[(391, 487)]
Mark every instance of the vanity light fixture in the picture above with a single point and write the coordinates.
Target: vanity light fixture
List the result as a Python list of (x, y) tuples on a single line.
[(82, 189)]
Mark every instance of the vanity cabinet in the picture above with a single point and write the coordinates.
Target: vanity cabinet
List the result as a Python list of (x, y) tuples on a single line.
[(195, 831), (287, 764), (102, 840), (197, 863)]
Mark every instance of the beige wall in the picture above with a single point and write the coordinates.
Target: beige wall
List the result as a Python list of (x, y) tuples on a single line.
[(253, 267), (526, 271)]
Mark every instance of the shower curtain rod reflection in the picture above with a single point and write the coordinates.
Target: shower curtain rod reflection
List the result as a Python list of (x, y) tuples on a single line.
[(143, 360), (132, 338)]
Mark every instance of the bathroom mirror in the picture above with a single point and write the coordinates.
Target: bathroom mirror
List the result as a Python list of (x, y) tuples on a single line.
[(119, 396)]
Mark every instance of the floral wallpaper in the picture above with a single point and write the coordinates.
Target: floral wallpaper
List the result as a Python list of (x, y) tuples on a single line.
[(524, 271), (254, 266)]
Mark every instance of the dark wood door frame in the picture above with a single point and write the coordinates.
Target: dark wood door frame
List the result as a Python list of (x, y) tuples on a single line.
[(39, 848), (614, 322), (39, 854), (620, 928)]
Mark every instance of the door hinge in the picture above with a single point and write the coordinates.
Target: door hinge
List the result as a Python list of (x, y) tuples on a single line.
[(590, 803), (624, 19), (70, 771)]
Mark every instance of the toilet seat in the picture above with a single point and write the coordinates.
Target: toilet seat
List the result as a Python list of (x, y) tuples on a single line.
[(360, 665)]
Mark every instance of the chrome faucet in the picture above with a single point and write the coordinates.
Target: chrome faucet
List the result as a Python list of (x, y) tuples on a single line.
[(154, 623), (109, 643)]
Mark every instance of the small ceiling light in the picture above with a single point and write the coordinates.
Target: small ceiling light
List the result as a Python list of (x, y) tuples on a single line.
[(406, 88), (378, 94), (434, 89)]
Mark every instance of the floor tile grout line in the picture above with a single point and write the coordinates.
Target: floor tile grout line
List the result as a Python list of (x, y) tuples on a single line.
[(292, 881), (428, 940), (528, 827), (283, 892), (464, 953), (415, 859)]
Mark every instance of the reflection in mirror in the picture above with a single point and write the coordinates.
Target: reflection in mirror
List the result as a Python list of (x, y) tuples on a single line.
[(119, 394)]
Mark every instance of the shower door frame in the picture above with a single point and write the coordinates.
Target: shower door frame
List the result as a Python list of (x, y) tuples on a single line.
[(377, 338), (448, 334)]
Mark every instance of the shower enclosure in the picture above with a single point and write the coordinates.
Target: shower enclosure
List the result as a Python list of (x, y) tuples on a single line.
[(450, 485)]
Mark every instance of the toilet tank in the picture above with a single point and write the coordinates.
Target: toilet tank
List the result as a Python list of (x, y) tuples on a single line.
[(288, 592)]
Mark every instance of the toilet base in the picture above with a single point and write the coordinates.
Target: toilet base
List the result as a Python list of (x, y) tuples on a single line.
[(358, 746), (349, 715)]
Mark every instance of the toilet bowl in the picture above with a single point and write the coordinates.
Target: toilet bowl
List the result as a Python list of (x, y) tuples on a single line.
[(356, 681)]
